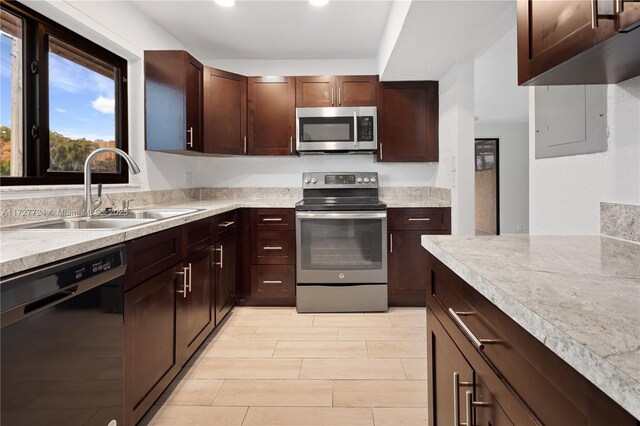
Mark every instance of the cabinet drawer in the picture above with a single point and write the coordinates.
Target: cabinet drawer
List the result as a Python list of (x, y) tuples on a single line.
[(196, 236), (273, 248), (420, 219), (273, 281), (273, 219), (552, 389), (223, 224), (147, 256)]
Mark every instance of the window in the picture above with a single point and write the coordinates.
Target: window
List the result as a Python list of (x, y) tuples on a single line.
[(62, 97)]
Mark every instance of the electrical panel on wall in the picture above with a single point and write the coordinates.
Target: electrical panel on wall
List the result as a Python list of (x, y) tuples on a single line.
[(570, 120)]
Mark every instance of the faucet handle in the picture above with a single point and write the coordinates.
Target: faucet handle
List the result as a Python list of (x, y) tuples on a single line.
[(125, 204)]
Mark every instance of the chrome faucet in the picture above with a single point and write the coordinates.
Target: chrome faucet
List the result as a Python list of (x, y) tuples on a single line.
[(89, 204)]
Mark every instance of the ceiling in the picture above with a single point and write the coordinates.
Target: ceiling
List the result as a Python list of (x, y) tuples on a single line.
[(437, 34), (273, 29)]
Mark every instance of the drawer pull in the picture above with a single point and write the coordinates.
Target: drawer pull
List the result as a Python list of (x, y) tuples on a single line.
[(272, 282), (478, 343), (271, 248), (185, 286), (456, 396), (221, 250), (227, 224), (470, 403), (419, 219), (272, 219)]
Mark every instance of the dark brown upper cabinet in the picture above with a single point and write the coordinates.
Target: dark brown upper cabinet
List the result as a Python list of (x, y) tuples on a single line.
[(225, 112), (408, 121), (577, 42), (327, 91), (173, 101), (271, 105)]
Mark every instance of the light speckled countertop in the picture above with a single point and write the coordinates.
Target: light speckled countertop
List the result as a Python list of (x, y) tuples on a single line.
[(25, 249), (579, 295)]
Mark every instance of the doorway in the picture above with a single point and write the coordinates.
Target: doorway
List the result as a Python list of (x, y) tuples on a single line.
[(487, 187)]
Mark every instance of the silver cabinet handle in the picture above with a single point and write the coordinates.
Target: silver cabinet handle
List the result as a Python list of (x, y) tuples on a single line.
[(332, 96), (244, 144), (390, 243), (184, 282), (221, 250), (190, 131), (594, 14), (226, 224), (189, 277), (470, 403), (419, 219), (272, 219), (291, 144), (478, 343), (271, 248), (456, 397), (272, 282), (339, 96), (380, 145)]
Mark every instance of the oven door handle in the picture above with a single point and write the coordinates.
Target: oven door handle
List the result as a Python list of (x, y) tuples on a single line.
[(342, 215)]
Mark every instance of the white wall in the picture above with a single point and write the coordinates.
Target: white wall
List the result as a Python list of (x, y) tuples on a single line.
[(513, 172), (124, 29), (287, 171), (565, 192), (457, 145)]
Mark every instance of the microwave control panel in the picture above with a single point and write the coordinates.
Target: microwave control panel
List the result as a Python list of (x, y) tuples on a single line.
[(365, 129)]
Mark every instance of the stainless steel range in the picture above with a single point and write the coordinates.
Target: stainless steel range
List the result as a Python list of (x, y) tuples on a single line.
[(341, 244)]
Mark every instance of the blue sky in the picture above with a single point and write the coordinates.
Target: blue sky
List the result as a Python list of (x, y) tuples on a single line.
[(81, 102)]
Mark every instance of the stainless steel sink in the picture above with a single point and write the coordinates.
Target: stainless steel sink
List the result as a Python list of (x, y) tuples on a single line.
[(156, 214), (95, 223)]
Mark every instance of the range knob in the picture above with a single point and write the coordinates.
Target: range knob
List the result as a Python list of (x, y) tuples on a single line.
[(314, 180), (307, 180), (373, 180), (366, 180), (359, 180)]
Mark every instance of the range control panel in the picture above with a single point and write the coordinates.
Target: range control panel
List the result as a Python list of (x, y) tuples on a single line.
[(319, 180)]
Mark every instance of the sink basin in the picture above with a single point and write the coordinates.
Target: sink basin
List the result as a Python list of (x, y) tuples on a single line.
[(156, 214), (98, 223)]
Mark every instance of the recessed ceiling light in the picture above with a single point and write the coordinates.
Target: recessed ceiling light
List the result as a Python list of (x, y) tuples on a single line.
[(318, 2), (225, 3)]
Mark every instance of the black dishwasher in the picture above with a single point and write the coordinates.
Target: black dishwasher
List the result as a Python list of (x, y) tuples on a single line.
[(61, 343)]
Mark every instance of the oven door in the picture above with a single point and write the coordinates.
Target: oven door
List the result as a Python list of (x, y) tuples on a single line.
[(341, 247)]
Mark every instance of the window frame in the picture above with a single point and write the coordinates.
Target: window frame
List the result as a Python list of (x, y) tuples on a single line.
[(37, 30)]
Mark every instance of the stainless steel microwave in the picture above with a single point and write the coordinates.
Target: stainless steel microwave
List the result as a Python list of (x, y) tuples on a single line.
[(336, 129)]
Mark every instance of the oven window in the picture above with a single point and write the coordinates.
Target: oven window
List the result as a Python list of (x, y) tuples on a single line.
[(326, 129), (341, 244)]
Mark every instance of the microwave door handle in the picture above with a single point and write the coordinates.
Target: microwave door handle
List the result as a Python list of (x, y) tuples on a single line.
[(355, 129)]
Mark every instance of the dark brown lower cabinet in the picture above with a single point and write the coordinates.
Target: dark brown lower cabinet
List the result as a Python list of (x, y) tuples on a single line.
[(515, 378), (195, 312), (407, 262), (225, 275), (151, 358)]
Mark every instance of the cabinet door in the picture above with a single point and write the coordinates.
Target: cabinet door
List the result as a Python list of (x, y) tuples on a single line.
[(173, 100), (150, 334), (193, 104), (357, 90), (318, 91), (408, 121), (225, 270), (449, 376), (552, 32), (225, 112), (407, 279), (271, 115), (196, 303)]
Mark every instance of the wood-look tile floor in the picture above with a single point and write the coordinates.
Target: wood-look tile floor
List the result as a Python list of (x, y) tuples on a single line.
[(273, 366)]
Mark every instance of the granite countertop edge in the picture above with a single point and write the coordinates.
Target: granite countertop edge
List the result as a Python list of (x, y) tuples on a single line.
[(615, 383)]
